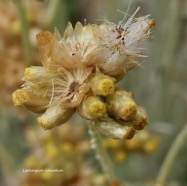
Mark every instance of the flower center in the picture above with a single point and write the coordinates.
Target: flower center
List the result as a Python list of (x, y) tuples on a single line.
[(73, 87)]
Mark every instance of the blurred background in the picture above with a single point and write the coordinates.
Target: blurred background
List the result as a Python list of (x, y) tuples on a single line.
[(160, 86)]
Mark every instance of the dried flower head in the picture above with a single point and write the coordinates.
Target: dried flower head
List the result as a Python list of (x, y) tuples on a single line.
[(122, 44), (79, 72)]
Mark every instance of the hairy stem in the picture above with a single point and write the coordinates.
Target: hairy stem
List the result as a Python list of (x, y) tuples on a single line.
[(101, 154), (171, 155)]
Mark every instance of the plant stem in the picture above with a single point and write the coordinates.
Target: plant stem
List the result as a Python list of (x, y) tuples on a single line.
[(101, 154), (25, 33), (52, 11), (171, 155), (53, 5)]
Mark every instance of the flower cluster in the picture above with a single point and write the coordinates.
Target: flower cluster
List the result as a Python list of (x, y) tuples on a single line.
[(80, 71), (143, 142), (58, 159)]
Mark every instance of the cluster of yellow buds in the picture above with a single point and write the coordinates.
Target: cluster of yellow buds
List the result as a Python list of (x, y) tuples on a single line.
[(57, 159), (80, 71), (124, 117), (143, 142)]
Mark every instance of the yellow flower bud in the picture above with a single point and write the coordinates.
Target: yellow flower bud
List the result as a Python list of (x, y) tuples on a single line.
[(67, 147), (102, 85), (37, 74), (51, 150), (140, 120), (151, 144), (109, 143), (55, 115), (114, 130), (120, 156), (92, 107), (121, 105), (31, 101), (132, 145)]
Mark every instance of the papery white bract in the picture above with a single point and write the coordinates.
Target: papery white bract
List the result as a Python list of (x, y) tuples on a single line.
[(122, 44)]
